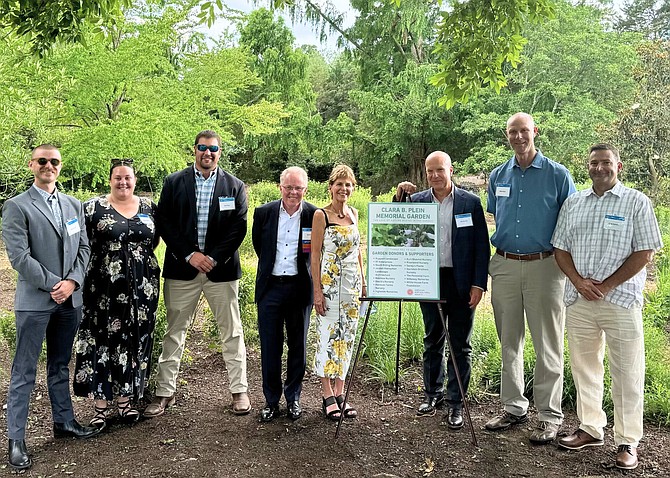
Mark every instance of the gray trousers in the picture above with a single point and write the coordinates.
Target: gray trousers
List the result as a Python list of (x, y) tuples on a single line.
[(59, 326)]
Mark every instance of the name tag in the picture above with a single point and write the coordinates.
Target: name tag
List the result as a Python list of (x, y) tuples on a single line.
[(503, 190), (72, 226), (306, 240), (226, 204), (463, 220), (614, 223), (146, 219)]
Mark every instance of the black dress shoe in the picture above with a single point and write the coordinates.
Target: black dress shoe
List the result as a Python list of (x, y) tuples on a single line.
[(18, 455), (269, 413), (429, 405), (455, 418), (294, 410), (74, 429)]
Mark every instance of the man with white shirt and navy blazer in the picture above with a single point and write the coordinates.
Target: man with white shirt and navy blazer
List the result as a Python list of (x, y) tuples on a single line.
[(45, 236), (464, 259), (281, 238)]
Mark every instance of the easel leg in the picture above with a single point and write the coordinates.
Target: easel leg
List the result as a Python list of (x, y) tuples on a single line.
[(348, 382), (458, 374), (397, 349)]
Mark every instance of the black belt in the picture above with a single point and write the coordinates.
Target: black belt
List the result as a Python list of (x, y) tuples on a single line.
[(284, 279), (535, 256)]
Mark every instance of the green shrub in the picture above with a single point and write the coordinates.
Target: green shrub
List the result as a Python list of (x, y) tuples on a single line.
[(8, 334), (317, 193), (380, 343), (8, 331), (411, 343), (247, 288), (248, 314), (261, 193), (159, 332), (82, 194)]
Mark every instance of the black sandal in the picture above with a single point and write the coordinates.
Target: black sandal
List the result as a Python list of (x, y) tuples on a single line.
[(333, 415), (349, 412), (127, 413), (99, 419)]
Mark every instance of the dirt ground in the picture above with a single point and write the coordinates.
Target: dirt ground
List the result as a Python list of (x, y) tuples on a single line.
[(200, 436)]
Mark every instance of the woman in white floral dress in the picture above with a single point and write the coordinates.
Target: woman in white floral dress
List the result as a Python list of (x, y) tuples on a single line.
[(115, 339), (337, 267)]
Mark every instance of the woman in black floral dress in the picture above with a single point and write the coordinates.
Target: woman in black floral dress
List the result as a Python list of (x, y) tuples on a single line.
[(115, 339)]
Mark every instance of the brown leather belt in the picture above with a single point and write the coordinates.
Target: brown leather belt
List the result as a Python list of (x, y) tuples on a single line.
[(535, 256)]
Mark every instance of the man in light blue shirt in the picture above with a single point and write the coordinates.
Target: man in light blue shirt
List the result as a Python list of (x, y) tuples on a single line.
[(525, 195)]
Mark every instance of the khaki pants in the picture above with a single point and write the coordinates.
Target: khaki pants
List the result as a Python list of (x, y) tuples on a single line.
[(533, 289), (590, 325), (181, 299)]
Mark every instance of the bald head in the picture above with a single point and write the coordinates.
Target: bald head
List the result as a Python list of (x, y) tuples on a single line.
[(521, 117), (438, 173), (521, 132), (439, 156)]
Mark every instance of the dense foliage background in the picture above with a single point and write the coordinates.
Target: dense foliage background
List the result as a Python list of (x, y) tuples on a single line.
[(141, 82)]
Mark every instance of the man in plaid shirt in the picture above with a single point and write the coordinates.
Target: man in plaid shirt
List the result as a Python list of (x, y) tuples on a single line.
[(604, 238)]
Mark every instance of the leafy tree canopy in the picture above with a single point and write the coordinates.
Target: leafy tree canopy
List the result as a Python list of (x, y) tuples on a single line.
[(475, 39), (44, 22)]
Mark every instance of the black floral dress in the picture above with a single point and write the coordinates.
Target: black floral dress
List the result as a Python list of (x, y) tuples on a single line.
[(115, 339)]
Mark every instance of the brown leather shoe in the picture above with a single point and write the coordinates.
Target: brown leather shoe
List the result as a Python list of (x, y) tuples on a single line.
[(241, 403), (158, 406), (626, 457), (578, 440)]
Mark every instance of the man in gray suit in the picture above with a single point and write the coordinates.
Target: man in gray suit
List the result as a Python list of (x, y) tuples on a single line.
[(46, 242)]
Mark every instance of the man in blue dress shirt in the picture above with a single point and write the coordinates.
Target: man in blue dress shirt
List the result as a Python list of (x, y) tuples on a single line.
[(525, 195)]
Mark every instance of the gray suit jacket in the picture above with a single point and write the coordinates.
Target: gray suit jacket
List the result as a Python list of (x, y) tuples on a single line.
[(41, 252)]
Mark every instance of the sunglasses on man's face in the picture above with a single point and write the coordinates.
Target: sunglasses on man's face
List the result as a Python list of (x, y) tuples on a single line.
[(43, 161), (203, 147)]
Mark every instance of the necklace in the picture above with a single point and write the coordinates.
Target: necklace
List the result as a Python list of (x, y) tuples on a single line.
[(341, 215)]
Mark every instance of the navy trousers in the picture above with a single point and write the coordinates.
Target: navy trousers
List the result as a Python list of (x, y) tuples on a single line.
[(279, 310), (460, 320)]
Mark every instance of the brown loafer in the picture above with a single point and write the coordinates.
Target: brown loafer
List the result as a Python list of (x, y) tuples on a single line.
[(241, 403), (578, 440), (626, 457), (158, 406)]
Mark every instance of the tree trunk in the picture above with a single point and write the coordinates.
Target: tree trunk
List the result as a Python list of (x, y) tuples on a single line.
[(653, 174), (416, 168)]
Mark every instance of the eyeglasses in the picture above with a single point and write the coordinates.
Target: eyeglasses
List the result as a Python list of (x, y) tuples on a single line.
[(297, 189), (203, 147), (43, 161)]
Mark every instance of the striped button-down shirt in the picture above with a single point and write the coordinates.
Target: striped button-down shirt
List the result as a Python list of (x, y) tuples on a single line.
[(601, 232), (204, 189)]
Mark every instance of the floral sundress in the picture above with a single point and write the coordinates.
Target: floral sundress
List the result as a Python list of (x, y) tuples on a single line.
[(341, 285)]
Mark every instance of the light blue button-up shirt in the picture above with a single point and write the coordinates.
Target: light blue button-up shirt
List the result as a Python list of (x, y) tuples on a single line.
[(525, 203)]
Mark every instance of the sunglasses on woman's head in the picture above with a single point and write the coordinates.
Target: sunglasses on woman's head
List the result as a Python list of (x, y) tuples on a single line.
[(122, 162)]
